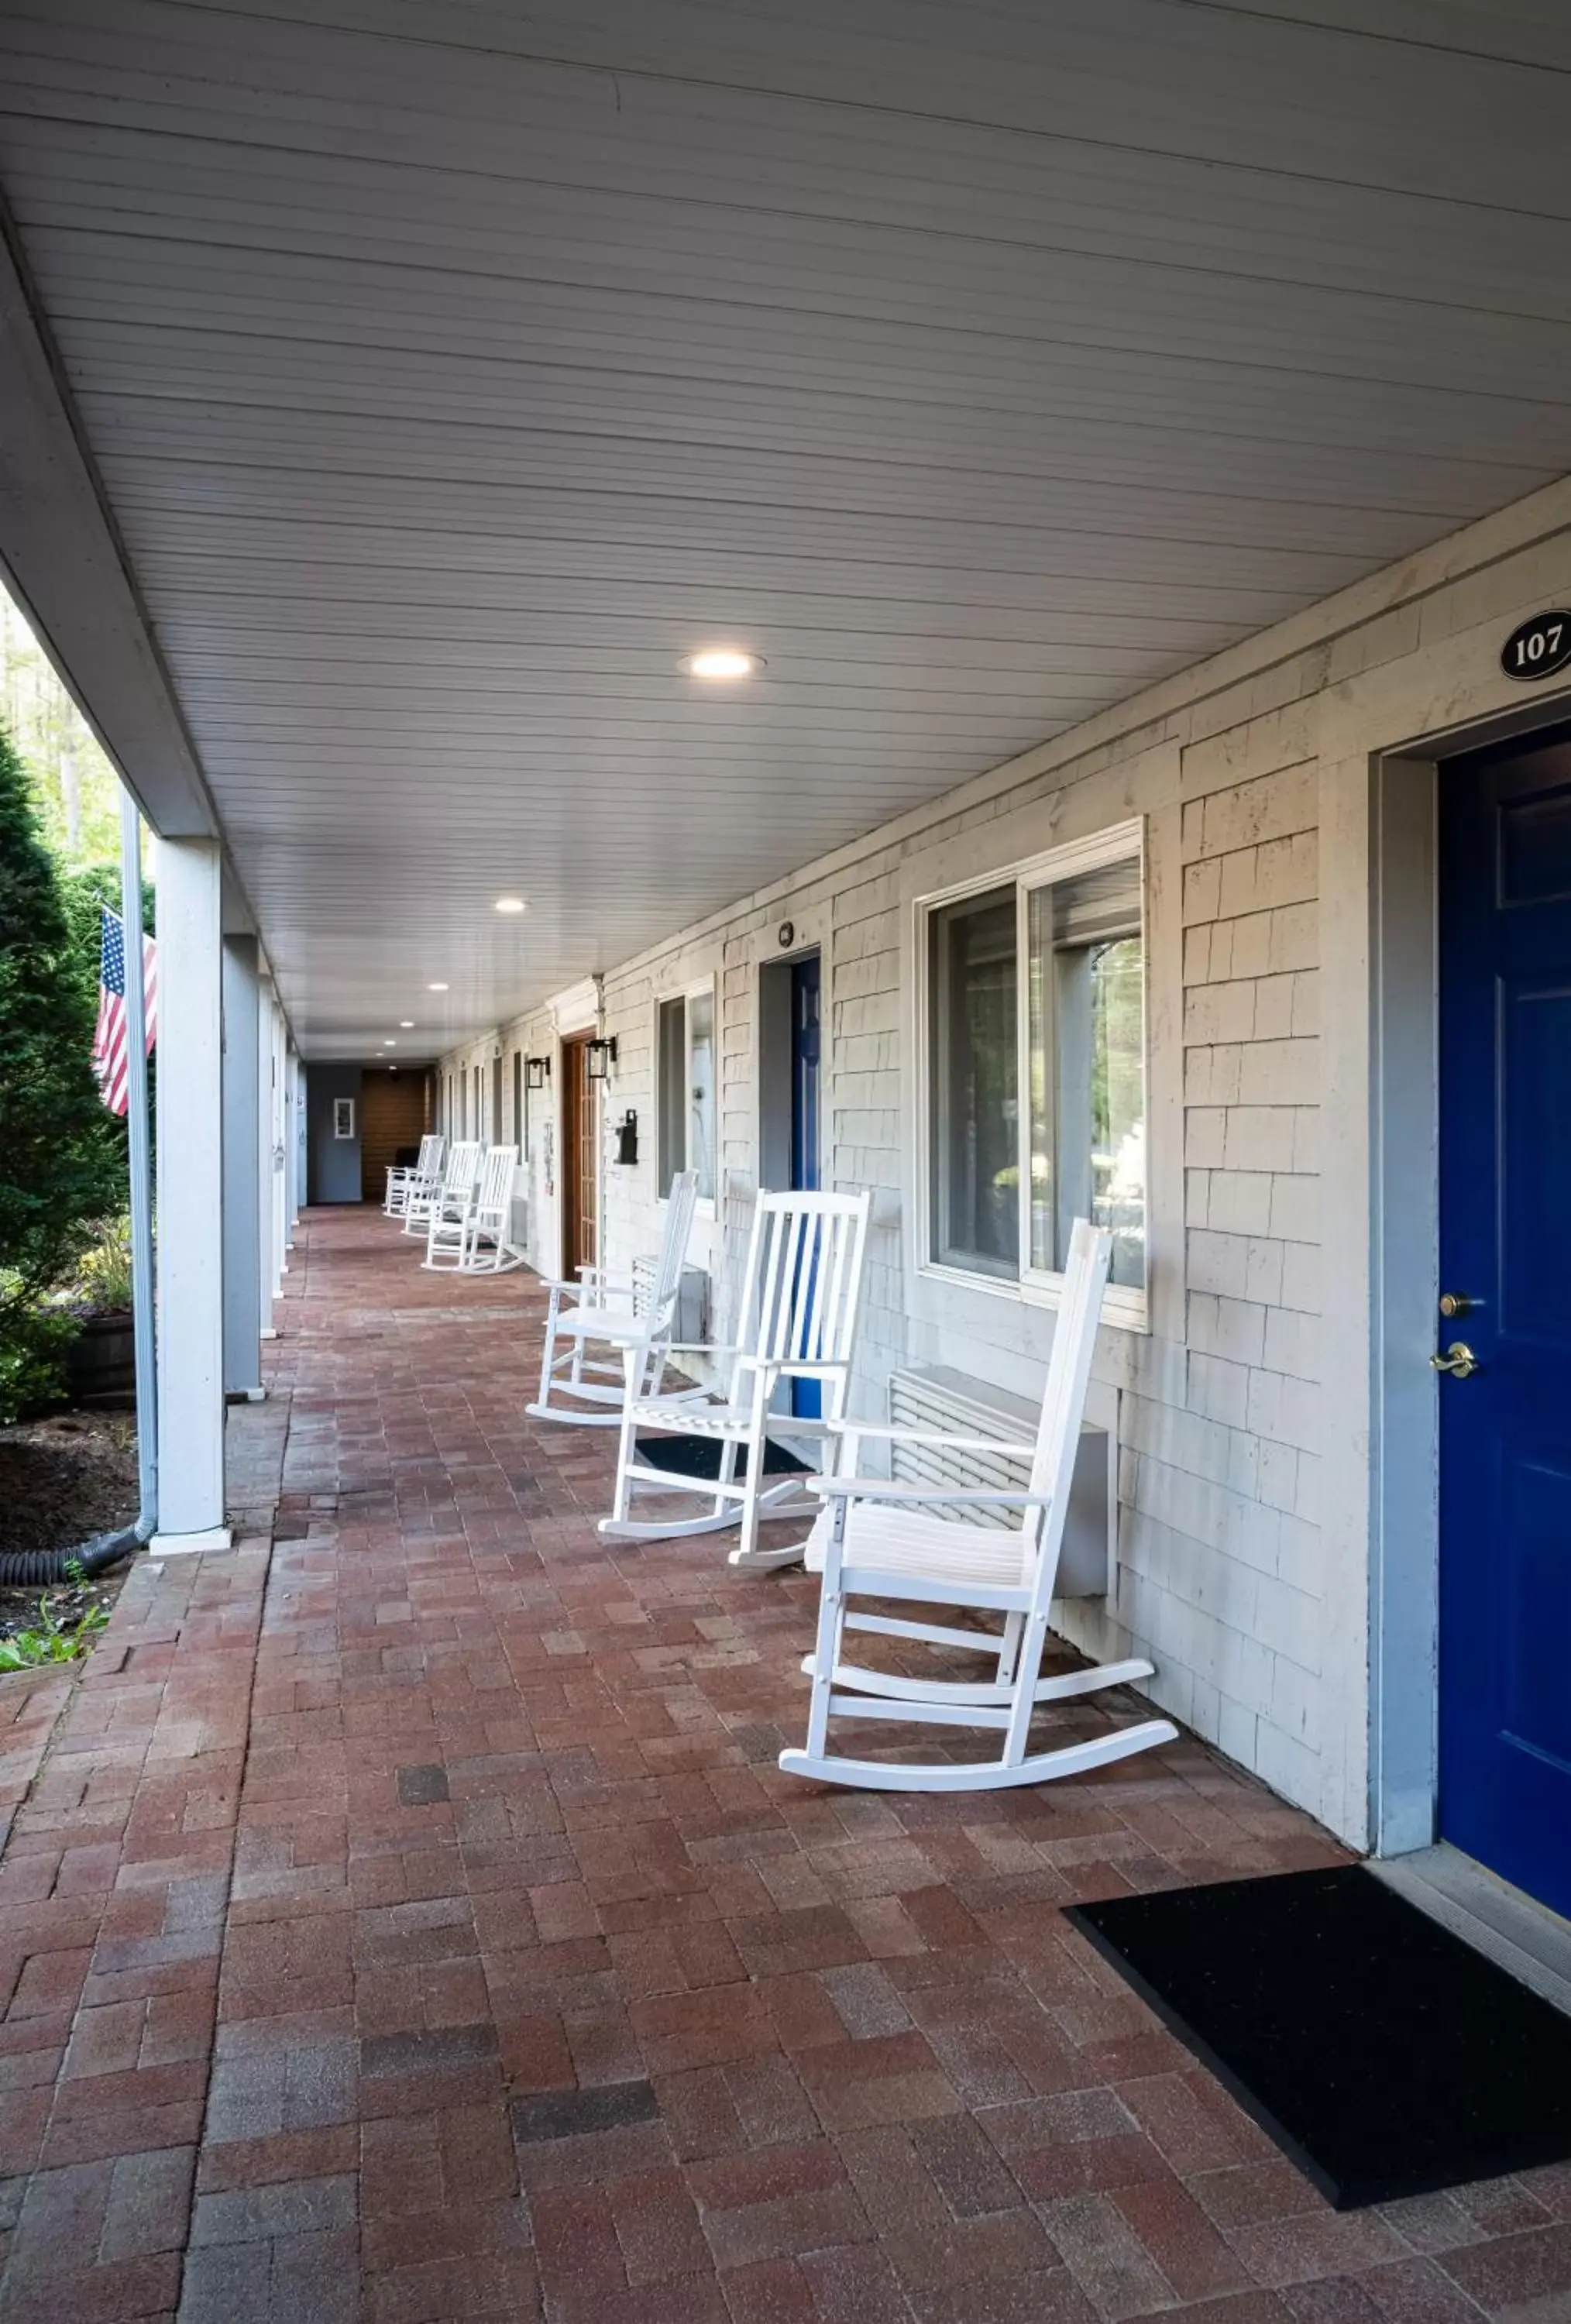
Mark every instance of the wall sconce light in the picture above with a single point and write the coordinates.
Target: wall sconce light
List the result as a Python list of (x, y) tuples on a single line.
[(598, 1059), (537, 1072)]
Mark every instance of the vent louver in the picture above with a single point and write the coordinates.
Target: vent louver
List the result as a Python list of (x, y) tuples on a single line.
[(936, 1399)]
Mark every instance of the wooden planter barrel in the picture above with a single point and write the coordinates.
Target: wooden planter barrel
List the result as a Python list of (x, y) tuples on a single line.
[(101, 1362)]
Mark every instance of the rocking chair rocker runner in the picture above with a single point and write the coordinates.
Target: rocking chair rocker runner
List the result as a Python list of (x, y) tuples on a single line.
[(401, 1177), (634, 1320), (879, 1539), (802, 1283)]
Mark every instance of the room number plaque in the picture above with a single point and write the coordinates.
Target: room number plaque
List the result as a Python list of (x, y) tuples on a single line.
[(1538, 647)]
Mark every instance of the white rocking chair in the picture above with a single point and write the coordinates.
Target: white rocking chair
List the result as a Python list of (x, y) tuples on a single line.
[(449, 1208), (425, 1171), (802, 1286), (635, 1320), (422, 1197), (879, 1539), (485, 1245)]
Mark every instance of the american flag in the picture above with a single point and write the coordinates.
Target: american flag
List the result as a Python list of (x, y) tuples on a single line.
[(109, 1042)]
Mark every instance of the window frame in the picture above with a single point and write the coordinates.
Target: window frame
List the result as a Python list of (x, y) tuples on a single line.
[(698, 987), (1033, 1287)]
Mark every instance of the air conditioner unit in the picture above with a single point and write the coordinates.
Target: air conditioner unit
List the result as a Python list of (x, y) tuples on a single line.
[(932, 1397)]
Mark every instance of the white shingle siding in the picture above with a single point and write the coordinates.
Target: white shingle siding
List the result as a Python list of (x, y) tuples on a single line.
[(1225, 1576)]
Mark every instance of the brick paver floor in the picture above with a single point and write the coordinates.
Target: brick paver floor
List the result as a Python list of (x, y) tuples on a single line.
[(410, 1921)]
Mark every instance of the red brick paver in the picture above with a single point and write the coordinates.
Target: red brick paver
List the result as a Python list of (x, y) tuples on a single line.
[(413, 1924)]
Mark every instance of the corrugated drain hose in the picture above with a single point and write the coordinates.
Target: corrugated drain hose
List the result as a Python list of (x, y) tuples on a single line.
[(46, 1569)]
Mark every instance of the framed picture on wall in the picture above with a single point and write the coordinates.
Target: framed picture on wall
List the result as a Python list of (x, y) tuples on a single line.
[(343, 1117)]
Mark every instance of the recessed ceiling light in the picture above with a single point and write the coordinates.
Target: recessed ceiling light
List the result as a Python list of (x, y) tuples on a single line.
[(436, 988), (406, 1024), (722, 663), (510, 903), (390, 1044)]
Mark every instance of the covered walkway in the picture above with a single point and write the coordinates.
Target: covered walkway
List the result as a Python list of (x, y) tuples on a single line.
[(408, 1920)]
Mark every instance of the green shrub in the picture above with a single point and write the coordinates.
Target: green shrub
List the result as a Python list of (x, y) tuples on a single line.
[(61, 1162), (33, 1341)]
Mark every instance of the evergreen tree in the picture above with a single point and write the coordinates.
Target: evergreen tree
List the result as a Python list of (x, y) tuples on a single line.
[(60, 1152)]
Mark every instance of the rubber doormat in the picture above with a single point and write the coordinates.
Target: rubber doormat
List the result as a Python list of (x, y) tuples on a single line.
[(1383, 2055), (699, 1456)]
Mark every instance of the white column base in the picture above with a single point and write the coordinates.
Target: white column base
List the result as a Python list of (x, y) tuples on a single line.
[(268, 1331), (189, 1544)]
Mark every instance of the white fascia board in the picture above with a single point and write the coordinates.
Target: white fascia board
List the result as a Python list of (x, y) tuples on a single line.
[(65, 566)]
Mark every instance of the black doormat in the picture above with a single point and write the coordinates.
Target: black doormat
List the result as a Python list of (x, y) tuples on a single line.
[(699, 1456), (1383, 2055)]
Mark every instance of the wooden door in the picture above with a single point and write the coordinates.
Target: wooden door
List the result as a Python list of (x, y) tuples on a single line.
[(580, 1192), (392, 1119)]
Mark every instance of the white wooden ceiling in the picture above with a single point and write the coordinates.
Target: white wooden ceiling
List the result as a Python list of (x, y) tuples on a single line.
[(454, 367)]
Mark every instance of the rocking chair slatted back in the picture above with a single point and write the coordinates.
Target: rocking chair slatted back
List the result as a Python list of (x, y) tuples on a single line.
[(664, 1279), (1064, 1403), (458, 1177), (803, 1278), (429, 1159), (494, 1200)]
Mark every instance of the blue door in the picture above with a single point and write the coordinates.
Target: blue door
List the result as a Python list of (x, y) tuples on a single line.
[(1505, 1285), (806, 1399)]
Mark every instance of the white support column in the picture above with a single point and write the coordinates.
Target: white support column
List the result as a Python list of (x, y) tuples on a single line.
[(244, 1311), (266, 1068), (280, 1156), (190, 1218), (294, 1134), (286, 1130)]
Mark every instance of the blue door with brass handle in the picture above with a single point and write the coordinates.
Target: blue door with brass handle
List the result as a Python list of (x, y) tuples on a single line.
[(1503, 1331)]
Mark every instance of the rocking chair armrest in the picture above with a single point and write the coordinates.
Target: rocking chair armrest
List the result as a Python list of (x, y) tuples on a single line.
[(698, 1348), (880, 1489)]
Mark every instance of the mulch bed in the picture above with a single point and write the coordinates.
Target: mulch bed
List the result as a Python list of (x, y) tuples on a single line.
[(63, 1480)]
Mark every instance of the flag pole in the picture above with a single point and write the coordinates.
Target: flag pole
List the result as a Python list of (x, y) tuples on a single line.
[(137, 1125)]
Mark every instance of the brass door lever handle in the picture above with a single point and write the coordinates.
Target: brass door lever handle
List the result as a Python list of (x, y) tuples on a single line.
[(1458, 1359)]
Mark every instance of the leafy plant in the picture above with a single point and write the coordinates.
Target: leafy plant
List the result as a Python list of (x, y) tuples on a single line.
[(61, 1635), (100, 1282)]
